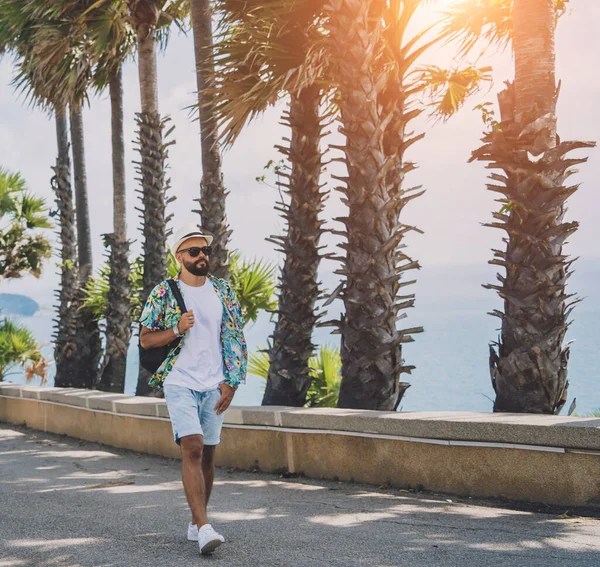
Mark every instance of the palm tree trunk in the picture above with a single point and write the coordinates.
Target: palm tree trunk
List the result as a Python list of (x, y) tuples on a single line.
[(371, 356), (118, 322), (84, 239), (151, 170), (534, 24), (118, 155), (88, 334), (65, 351), (289, 379), (528, 365), (212, 189)]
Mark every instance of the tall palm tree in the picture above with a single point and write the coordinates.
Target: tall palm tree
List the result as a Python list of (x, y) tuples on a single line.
[(150, 20), (62, 57), (105, 39), (65, 337), (528, 364), (118, 321), (374, 64), (90, 350), (212, 188), (145, 16), (150, 25), (112, 41), (18, 34), (262, 52)]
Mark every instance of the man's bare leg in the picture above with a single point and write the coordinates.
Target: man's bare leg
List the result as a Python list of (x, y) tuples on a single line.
[(192, 449), (208, 469)]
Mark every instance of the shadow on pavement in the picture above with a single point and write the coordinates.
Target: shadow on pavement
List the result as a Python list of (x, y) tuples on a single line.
[(71, 503)]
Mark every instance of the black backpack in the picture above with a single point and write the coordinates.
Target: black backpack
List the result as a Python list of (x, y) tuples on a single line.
[(152, 358)]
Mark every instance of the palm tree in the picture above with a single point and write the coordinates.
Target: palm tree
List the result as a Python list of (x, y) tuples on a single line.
[(145, 16), (150, 24), (65, 337), (374, 66), (23, 249), (17, 35), (212, 189), (112, 41), (528, 364), (262, 52), (61, 56), (88, 331)]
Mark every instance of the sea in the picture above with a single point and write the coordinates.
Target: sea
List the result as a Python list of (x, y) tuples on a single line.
[(450, 356)]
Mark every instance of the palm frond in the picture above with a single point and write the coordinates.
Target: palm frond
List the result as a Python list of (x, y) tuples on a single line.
[(489, 21), (254, 283), (258, 364), (17, 347), (448, 89), (325, 368), (261, 50)]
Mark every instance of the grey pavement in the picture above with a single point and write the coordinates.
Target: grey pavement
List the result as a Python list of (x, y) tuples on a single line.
[(71, 503)]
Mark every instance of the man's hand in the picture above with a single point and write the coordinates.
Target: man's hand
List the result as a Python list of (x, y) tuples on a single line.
[(186, 321), (227, 393)]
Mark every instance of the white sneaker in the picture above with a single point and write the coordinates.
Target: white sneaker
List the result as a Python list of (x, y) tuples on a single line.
[(209, 539), (192, 532)]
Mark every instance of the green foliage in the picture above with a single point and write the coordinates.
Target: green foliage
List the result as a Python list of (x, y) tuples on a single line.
[(276, 167), (448, 89), (488, 115), (95, 294), (325, 369), (254, 283), (22, 249), (17, 348)]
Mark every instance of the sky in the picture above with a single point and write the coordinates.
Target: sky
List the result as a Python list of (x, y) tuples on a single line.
[(450, 213)]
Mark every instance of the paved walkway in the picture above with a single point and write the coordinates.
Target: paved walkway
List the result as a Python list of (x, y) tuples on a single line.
[(71, 503)]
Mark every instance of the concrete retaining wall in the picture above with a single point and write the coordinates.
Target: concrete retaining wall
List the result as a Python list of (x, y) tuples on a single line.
[(555, 460)]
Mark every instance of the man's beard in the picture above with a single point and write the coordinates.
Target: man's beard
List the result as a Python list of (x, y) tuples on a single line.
[(197, 270)]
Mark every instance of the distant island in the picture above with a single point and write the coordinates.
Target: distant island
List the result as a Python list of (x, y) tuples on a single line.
[(14, 304)]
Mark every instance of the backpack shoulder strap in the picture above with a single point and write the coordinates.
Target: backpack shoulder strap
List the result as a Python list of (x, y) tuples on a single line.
[(177, 293)]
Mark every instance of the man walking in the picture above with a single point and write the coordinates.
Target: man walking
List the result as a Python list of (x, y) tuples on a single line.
[(201, 374)]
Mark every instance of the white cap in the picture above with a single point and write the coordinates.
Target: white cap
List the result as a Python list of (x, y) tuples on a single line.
[(186, 232)]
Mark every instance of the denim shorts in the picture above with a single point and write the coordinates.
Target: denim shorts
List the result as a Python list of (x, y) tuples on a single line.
[(193, 413)]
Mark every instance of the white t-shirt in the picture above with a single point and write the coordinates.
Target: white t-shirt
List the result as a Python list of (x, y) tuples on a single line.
[(199, 365)]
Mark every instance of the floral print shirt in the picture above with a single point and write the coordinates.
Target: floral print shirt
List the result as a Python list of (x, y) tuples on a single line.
[(161, 312)]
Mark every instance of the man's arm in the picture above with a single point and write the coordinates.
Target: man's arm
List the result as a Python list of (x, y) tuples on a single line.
[(155, 339)]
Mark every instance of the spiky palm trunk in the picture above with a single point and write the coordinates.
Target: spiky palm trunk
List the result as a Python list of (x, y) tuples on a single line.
[(118, 321), (151, 170), (65, 351), (289, 380), (212, 190), (88, 335), (529, 363), (371, 343)]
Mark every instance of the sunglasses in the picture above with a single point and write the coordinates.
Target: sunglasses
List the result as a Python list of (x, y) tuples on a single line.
[(194, 251)]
